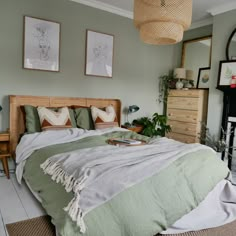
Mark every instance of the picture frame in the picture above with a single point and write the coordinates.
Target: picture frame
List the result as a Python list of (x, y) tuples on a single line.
[(203, 81), (99, 54), (41, 49), (226, 70)]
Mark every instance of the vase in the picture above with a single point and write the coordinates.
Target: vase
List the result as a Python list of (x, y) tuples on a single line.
[(179, 84)]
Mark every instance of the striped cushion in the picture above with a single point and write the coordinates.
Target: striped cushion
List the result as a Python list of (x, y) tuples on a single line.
[(50, 119), (104, 119)]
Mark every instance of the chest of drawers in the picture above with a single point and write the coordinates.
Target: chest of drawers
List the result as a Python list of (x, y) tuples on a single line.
[(186, 111)]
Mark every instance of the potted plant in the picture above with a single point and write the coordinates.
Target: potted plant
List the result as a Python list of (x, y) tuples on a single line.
[(218, 144), (166, 82), (155, 126)]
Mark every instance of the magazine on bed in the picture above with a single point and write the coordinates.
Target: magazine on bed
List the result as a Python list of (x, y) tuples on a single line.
[(127, 141)]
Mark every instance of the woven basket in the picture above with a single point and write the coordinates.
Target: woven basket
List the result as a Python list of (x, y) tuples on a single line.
[(162, 21)]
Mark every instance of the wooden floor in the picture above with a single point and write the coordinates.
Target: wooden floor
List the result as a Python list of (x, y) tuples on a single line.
[(17, 202)]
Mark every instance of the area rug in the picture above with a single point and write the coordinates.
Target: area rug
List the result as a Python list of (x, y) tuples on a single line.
[(40, 226)]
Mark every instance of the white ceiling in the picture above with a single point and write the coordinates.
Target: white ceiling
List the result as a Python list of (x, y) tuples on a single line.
[(203, 10)]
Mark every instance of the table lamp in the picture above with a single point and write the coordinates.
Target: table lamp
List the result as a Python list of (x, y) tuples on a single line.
[(189, 78), (131, 109), (179, 73)]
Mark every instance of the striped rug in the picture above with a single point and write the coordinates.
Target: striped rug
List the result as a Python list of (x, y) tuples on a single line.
[(41, 226)]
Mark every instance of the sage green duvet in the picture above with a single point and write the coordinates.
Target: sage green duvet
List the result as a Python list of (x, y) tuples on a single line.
[(142, 210)]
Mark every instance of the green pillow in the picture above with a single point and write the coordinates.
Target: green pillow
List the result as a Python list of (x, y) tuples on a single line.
[(83, 118), (32, 121)]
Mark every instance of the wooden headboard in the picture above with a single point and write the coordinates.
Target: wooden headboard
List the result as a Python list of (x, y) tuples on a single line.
[(17, 125)]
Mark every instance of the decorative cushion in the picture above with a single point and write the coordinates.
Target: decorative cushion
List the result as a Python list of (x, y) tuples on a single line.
[(83, 118), (31, 118), (50, 119), (104, 119)]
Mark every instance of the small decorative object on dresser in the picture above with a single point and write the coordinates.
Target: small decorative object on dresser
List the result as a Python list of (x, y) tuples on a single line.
[(4, 151), (189, 79), (186, 111), (203, 81), (180, 73)]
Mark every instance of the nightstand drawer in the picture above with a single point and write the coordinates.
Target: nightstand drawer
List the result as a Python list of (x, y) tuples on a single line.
[(183, 127), (182, 115), (182, 138), (183, 103)]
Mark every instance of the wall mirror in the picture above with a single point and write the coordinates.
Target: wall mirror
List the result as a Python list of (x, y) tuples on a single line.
[(231, 46), (196, 54)]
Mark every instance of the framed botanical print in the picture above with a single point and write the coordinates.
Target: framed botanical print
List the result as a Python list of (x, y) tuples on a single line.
[(226, 70), (41, 44), (203, 78), (99, 54)]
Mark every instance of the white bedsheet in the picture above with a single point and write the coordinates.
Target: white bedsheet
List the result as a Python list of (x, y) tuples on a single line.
[(218, 208), (31, 142)]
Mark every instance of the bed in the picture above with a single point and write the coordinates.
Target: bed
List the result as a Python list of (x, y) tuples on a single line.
[(141, 205)]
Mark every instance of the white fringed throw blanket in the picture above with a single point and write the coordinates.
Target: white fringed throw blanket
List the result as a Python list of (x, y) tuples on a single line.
[(96, 175)]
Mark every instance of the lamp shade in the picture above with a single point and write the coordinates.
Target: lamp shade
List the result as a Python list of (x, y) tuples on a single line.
[(189, 74), (133, 109), (162, 21), (180, 73)]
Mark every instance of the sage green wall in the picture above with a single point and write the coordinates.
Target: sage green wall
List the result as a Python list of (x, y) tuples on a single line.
[(135, 70), (223, 25)]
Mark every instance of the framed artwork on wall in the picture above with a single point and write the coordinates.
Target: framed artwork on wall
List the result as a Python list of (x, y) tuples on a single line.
[(41, 44), (226, 70), (99, 54), (203, 81)]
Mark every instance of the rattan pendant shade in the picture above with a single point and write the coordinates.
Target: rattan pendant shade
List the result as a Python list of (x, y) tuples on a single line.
[(162, 21)]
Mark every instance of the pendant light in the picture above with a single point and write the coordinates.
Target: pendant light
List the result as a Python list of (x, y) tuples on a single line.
[(162, 21)]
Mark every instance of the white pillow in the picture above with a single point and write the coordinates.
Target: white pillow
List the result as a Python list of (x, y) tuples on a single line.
[(50, 119), (104, 119)]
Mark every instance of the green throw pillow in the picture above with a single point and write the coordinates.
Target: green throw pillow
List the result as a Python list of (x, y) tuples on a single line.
[(83, 118), (32, 122)]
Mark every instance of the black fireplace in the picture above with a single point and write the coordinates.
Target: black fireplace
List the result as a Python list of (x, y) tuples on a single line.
[(229, 122)]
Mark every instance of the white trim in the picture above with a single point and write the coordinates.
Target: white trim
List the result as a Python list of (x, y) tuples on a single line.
[(198, 24), (106, 7), (223, 8)]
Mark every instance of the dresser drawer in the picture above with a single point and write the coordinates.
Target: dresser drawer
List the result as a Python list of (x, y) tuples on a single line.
[(182, 115), (183, 127), (183, 103), (185, 93), (182, 138)]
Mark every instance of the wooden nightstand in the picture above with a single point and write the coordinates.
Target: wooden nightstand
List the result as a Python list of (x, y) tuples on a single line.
[(136, 129), (4, 151)]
